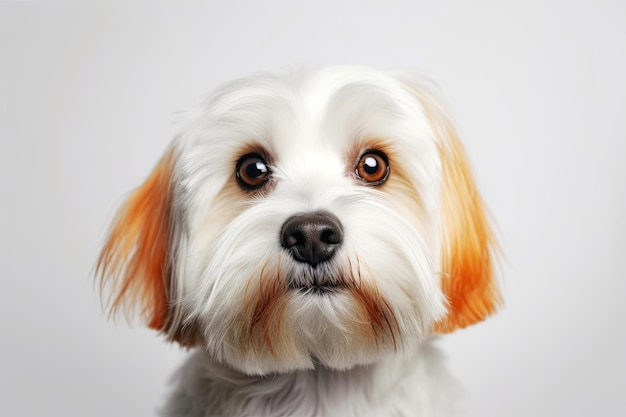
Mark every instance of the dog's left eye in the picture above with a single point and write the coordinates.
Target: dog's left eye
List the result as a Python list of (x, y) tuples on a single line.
[(252, 171), (372, 167)]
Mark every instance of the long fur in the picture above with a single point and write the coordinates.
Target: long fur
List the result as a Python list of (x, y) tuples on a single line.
[(199, 254)]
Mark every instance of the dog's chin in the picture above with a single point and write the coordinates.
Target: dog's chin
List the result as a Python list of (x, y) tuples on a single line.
[(318, 328), (312, 319)]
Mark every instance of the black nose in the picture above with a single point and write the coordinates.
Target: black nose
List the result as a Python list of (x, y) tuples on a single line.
[(312, 237)]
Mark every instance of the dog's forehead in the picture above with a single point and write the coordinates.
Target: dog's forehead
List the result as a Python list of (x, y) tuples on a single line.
[(325, 112)]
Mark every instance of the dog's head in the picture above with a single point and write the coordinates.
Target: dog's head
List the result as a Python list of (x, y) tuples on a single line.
[(328, 219)]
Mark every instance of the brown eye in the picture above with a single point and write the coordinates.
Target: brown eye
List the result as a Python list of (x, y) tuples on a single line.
[(252, 171), (373, 167)]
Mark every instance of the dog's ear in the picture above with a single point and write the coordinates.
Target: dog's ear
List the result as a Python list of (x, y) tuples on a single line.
[(467, 241), (467, 251), (135, 260)]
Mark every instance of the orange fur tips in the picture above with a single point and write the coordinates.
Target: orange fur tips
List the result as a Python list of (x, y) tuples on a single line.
[(134, 262), (467, 276), (467, 264)]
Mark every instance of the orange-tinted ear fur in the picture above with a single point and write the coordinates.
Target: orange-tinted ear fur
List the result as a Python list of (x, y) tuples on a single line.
[(467, 242), (134, 261)]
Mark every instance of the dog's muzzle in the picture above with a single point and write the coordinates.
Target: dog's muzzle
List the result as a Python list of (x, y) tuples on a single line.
[(313, 237)]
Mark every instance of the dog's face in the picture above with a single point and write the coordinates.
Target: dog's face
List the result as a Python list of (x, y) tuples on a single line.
[(330, 219)]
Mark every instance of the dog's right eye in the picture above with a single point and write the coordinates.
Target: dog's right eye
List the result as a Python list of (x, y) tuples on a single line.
[(252, 171)]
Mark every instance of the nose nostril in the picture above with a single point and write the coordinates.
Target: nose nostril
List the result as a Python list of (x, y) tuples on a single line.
[(330, 236), (293, 238)]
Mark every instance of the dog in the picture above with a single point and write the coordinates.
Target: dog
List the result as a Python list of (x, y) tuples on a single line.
[(307, 236)]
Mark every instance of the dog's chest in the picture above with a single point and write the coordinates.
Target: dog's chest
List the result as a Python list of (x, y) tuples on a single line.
[(419, 386)]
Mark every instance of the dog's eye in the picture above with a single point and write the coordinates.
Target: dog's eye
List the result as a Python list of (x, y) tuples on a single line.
[(373, 167), (252, 171)]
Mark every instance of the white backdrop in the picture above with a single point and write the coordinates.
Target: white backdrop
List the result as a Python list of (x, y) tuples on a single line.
[(89, 95)]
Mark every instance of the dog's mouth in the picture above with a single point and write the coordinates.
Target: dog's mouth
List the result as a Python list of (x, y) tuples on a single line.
[(317, 289), (315, 283)]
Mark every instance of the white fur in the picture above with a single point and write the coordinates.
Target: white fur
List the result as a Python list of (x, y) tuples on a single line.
[(419, 386)]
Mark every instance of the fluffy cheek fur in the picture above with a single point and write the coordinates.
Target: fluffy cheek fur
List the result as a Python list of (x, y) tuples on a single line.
[(386, 298)]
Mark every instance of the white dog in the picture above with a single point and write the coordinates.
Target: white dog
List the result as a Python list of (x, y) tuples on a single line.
[(307, 236)]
